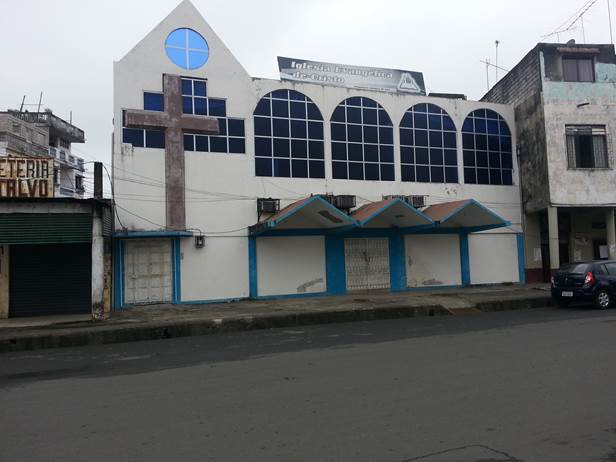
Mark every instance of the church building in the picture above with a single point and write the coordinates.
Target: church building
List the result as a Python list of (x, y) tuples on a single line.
[(333, 179)]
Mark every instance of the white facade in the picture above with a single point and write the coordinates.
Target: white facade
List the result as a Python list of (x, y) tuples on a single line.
[(222, 189)]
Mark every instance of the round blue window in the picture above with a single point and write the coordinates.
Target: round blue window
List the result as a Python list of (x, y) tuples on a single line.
[(187, 48)]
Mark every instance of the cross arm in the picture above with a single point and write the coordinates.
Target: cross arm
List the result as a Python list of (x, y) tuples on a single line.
[(200, 124), (136, 118)]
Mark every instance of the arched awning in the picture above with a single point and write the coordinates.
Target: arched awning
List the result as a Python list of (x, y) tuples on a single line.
[(465, 214), (391, 213)]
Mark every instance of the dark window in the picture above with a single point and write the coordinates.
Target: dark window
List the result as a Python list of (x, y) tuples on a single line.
[(362, 141), (230, 138), (487, 155), (610, 268), (155, 139), (288, 125), (153, 101), (433, 148), (578, 70), (586, 146)]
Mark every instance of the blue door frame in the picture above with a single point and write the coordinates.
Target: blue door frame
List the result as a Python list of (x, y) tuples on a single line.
[(119, 250)]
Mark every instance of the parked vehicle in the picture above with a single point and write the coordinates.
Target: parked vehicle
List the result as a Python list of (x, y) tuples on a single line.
[(591, 281)]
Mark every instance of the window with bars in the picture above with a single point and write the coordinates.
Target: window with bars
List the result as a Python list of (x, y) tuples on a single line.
[(362, 141), (428, 145), (288, 136), (586, 146), (577, 69), (487, 149)]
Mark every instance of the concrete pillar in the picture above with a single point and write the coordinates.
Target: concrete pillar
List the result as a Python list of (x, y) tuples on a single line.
[(610, 231), (98, 266), (553, 238), (4, 281)]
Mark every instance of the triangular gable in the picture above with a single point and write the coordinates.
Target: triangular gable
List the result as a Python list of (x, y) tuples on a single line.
[(150, 55), (390, 213), (310, 213), (468, 214)]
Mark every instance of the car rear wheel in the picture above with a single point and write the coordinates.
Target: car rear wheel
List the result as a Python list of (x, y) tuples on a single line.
[(602, 300)]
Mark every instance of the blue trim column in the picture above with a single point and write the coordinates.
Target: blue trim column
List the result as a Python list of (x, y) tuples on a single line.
[(118, 274), (397, 262), (521, 257), (252, 267), (465, 261), (176, 254), (334, 265)]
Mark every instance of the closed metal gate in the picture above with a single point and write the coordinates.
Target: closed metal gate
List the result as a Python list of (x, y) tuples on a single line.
[(147, 271), (367, 263), (50, 279)]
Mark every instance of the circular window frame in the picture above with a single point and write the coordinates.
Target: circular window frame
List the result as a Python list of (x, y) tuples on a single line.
[(187, 65)]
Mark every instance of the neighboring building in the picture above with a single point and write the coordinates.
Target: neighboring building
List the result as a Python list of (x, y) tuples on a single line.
[(229, 186), (565, 109), (55, 256), (43, 134)]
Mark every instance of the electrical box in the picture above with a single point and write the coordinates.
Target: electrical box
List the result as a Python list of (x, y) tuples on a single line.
[(199, 241)]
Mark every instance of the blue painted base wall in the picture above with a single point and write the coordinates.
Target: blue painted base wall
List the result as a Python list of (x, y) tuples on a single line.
[(334, 262)]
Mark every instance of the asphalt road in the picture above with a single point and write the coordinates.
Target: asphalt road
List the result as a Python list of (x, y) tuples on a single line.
[(531, 385)]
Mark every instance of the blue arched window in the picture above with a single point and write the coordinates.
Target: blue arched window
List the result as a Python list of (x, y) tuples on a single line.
[(362, 141), (288, 136), (428, 145), (487, 150)]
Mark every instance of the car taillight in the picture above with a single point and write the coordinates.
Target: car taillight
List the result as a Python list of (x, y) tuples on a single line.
[(589, 279)]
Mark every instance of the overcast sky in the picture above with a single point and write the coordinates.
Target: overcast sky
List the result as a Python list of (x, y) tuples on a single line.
[(66, 48)]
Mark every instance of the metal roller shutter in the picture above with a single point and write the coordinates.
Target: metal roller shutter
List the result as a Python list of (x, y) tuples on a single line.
[(50, 279), (45, 228)]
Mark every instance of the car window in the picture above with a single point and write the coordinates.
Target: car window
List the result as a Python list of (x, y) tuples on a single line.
[(600, 269), (611, 268), (576, 268)]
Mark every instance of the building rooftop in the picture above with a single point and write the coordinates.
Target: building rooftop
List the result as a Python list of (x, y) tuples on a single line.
[(57, 126)]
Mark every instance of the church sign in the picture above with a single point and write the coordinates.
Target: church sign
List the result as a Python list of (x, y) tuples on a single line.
[(358, 77), (26, 177)]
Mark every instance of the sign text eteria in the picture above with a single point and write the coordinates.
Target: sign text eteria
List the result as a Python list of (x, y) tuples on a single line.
[(26, 177), (359, 77)]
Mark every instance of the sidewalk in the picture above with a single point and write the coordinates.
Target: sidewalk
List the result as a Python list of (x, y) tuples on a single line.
[(166, 321)]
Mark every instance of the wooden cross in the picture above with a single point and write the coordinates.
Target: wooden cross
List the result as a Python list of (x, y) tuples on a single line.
[(175, 123)]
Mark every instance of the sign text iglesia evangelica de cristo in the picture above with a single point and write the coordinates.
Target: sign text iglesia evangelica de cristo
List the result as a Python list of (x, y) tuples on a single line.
[(359, 77)]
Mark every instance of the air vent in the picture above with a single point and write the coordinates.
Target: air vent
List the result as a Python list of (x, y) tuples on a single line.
[(268, 205), (344, 202), (417, 201), (414, 200)]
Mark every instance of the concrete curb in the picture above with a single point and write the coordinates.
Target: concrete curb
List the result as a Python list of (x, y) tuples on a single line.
[(36, 339)]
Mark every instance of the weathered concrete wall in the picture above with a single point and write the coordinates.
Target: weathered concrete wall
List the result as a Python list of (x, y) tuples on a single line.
[(521, 81), (532, 241), (98, 266), (291, 265), (552, 53), (4, 281), (530, 123), (581, 187), (432, 260)]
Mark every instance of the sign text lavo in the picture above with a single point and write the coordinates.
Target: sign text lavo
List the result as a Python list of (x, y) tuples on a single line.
[(26, 177)]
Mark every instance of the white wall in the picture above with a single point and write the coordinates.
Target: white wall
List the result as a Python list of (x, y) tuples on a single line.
[(494, 258), (217, 271), (432, 260), (291, 265)]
